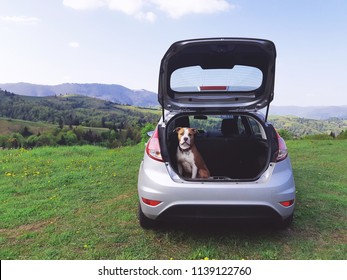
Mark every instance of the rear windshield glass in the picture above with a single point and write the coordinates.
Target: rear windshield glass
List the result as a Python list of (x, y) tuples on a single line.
[(220, 126), (196, 79)]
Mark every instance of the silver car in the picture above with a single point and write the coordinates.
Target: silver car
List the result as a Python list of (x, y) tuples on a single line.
[(217, 86)]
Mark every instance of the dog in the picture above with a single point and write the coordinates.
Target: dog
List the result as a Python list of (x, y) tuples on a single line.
[(189, 161)]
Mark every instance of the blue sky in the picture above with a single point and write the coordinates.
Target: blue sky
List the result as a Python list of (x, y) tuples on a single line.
[(123, 41)]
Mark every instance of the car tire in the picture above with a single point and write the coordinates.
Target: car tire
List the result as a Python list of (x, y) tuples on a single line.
[(145, 222)]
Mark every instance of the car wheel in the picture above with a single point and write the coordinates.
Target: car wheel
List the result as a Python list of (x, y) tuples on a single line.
[(145, 222)]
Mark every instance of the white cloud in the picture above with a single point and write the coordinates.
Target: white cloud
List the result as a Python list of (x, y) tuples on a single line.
[(144, 9), (129, 7), (74, 45), (179, 8), (84, 4), (148, 16), (136, 8), (21, 19)]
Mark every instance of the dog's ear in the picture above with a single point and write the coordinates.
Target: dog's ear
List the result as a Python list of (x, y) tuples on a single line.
[(177, 129), (194, 130)]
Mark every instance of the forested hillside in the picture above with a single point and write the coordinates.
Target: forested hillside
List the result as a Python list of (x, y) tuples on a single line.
[(75, 119), (299, 127), (70, 119), (73, 110)]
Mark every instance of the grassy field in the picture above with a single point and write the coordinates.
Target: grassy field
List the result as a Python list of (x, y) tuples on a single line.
[(81, 203), (8, 126)]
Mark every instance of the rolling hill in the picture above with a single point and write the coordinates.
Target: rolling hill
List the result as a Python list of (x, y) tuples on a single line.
[(27, 121), (114, 93), (299, 127), (144, 98), (73, 109)]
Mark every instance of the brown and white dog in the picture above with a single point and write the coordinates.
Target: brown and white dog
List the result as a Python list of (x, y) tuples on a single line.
[(189, 161)]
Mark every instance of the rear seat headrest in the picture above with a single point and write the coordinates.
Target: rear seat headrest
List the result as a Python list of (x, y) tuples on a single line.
[(229, 127), (182, 122)]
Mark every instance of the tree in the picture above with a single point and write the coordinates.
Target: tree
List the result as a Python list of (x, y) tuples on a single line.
[(61, 141), (45, 140), (3, 141), (25, 132), (79, 131), (71, 138), (103, 120), (16, 140), (61, 123), (31, 142)]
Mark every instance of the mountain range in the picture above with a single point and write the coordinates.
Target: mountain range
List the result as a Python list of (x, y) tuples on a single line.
[(109, 92), (311, 112), (144, 98), (75, 110)]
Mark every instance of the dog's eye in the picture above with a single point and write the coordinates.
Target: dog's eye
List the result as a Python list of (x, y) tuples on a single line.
[(181, 134), (189, 134)]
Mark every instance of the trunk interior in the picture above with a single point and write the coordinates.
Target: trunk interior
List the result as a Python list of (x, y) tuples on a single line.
[(233, 147)]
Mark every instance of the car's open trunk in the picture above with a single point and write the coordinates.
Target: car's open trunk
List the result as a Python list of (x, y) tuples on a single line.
[(235, 158), (238, 150)]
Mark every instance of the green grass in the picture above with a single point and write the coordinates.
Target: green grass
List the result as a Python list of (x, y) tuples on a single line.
[(81, 203), (8, 126)]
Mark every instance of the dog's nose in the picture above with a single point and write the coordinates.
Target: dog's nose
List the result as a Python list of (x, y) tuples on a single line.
[(185, 138)]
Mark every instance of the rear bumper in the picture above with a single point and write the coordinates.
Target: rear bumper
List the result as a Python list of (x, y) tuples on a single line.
[(220, 213), (215, 200)]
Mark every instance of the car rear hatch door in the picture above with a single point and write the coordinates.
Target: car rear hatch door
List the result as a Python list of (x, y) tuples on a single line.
[(217, 74)]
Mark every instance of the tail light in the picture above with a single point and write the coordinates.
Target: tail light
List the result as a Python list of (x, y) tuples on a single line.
[(282, 148), (150, 202), (287, 203), (153, 147)]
